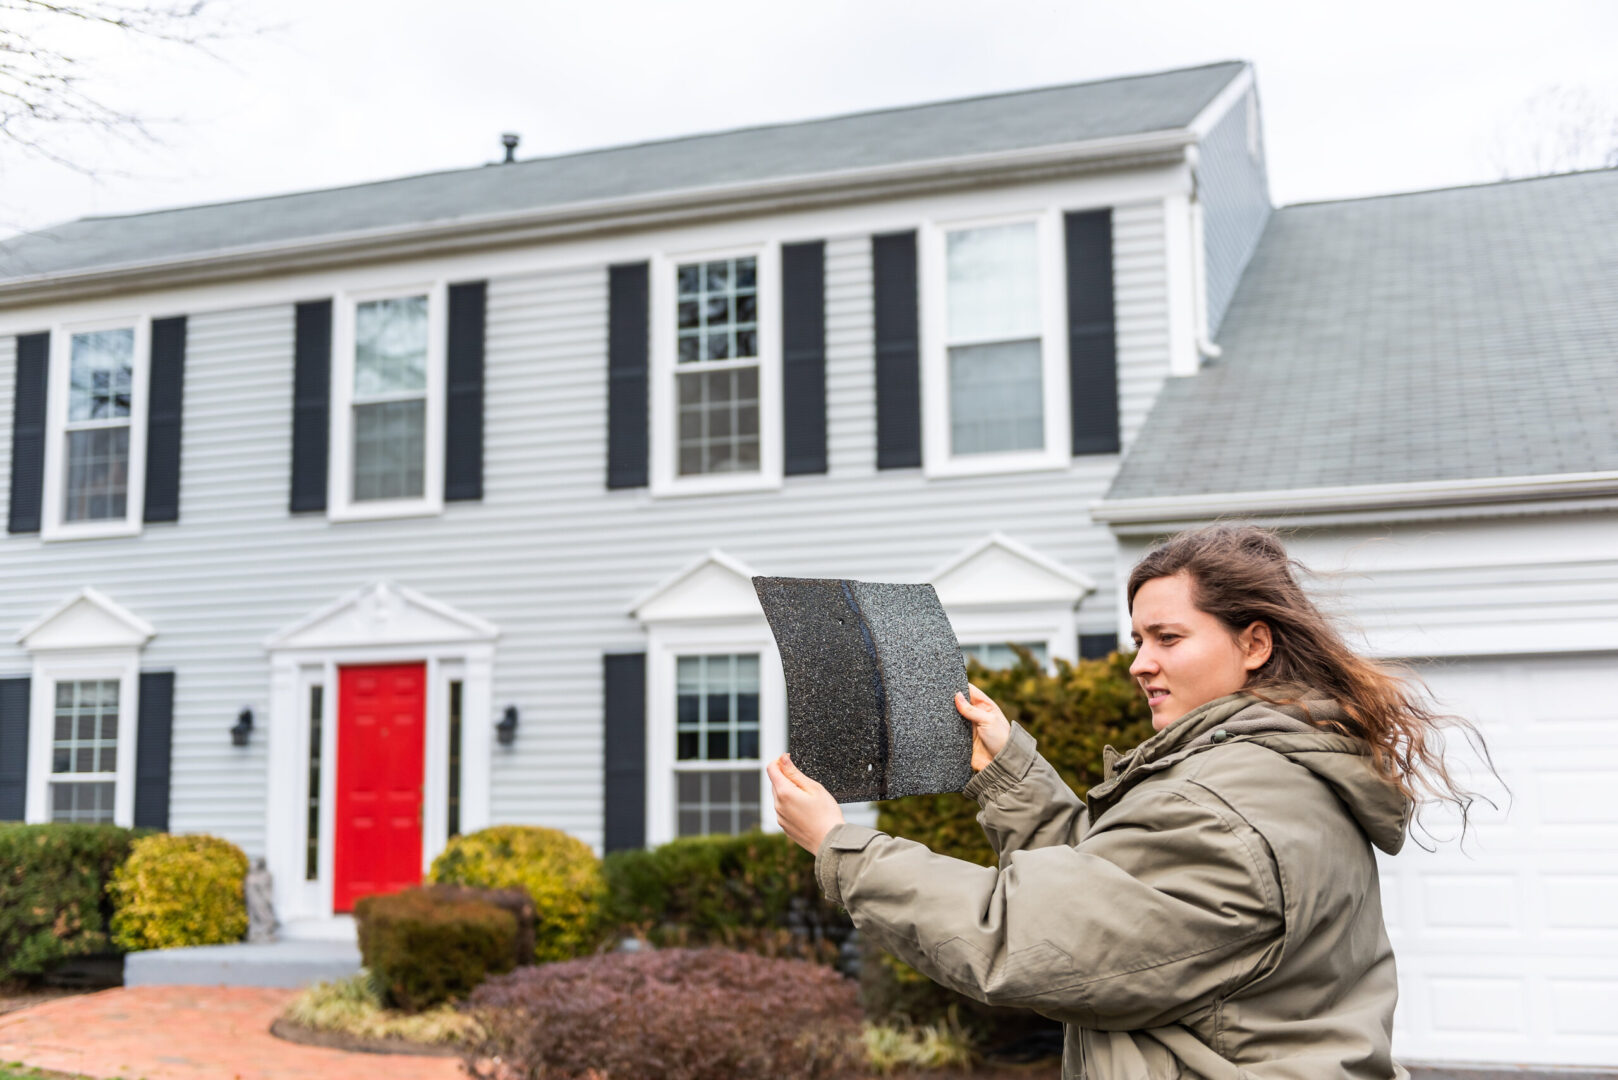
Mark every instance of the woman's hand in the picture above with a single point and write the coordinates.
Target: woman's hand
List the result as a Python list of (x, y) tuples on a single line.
[(990, 728), (804, 808)]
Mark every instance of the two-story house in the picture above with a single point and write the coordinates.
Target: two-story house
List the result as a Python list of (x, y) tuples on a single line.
[(345, 521)]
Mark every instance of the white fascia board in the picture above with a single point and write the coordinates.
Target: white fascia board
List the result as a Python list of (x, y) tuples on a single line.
[(595, 216), (1324, 500), (1215, 110)]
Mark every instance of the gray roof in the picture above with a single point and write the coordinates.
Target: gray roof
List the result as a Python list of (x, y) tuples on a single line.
[(1081, 112), (1460, 334)]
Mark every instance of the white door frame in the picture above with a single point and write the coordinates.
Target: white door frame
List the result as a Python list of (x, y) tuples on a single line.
[(382, 624)]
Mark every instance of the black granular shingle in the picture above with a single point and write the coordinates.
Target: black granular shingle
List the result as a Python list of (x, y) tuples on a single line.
[(871, 673)]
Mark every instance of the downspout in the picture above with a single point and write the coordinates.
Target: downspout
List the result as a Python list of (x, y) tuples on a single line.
[(1206, 349)]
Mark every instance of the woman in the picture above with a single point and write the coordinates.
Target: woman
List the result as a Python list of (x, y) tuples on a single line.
[(1211, 909)]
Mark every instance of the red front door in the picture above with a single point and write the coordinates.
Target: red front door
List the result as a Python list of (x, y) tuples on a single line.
[(381, 737)]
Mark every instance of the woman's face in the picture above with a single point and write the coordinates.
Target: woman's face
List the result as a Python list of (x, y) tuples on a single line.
[(1187, 657)]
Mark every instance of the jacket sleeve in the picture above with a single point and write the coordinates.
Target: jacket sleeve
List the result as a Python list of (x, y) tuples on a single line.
[(1147, 919), (1025, 802)]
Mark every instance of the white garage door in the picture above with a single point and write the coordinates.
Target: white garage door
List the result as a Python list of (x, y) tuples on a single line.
[(1508, 950)]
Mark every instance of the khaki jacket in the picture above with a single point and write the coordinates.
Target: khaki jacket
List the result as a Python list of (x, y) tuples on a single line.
[(1211, 909)]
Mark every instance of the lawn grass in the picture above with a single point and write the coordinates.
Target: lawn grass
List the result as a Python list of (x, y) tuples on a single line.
[(16, 1070)]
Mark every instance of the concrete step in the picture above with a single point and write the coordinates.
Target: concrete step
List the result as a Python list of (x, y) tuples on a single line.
[(281, 963)]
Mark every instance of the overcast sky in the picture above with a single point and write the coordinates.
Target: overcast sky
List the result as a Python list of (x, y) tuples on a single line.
[(1358, 99)]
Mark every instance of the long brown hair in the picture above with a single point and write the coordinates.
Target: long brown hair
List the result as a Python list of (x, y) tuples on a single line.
[(1242, 574)]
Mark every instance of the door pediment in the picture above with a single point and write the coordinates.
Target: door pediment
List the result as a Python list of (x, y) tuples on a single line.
[(382, 613)]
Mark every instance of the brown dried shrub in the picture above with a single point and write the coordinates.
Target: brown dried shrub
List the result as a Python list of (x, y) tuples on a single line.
[(670, 1014)]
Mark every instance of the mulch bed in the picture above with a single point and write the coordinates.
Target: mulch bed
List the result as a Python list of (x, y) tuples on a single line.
[(365, 1044), (13, 997)]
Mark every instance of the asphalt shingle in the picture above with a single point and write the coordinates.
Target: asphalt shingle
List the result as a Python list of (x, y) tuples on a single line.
[(1459, 334), (1049, 116)]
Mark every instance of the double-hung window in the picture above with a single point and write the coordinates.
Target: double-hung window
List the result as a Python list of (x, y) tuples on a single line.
[(716, 360), (717, 752), (388, 404), (994, 382), (96, 430)]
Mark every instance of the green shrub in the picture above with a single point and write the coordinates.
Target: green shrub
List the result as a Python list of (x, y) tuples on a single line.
[(1072, 714), (356, 1006), (53, 893), (426, 950), (175, 891), (560, 872), (755, 892)]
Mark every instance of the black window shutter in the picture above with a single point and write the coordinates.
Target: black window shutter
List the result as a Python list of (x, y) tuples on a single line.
[(28, 432), (154, 736), (1092, 347), (1097, 646), (463, 408), (624, 706), (628, 334), (13, 749), (167, 382), (803, 357), (898, 351), (311, 404)]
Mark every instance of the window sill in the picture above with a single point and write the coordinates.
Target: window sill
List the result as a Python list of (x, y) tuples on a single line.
[(385, 509), (93, 530), (726, 484), (994, 464)]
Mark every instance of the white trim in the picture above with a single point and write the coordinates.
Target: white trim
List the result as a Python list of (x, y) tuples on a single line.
[(937, 457), (340, 475), (120, 628), (1215, 110), (1179, 259), (686, 595), (416, 240), (49, 669), (52, 527), (593, 250), (1081, 583), (1492, 489), (1053, 628), (664, 642), (663, 367), (379, 624)]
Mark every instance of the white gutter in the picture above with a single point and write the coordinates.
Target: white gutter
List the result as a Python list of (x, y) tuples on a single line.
[(638, 211), (1325, 500)]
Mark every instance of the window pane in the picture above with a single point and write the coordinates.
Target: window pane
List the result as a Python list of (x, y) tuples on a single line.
[(716, 802), (998, 654), (996, 395), (993, 283), (100, 374), (86, 727), (89, 803), (97, 474), (717, 707), (390, 346), (718, 421), (390, 450)]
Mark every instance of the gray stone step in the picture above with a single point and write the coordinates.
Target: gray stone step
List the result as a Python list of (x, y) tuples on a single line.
[(280, 963)]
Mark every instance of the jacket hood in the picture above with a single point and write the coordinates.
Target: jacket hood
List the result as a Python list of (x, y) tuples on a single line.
[(1341, 762)]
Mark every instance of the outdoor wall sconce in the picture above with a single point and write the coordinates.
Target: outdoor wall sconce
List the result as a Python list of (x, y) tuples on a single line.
[(244, 725), (506, 729)]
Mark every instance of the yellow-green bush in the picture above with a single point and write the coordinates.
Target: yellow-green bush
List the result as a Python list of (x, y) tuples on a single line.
[(174, 891), (560, 872)]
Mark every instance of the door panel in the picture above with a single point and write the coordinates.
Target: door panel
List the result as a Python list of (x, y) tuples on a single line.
[(381, 737)]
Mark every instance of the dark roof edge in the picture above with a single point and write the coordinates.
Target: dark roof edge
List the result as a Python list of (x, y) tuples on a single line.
[(691, 137)]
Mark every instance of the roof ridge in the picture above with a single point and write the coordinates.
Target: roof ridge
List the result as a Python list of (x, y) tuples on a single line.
[(1449, 187), (690, 137)]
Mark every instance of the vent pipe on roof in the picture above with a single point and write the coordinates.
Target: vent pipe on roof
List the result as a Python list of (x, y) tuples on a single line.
[(509, 141)]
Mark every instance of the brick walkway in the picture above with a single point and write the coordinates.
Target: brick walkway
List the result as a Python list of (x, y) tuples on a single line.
[(188, 1033)]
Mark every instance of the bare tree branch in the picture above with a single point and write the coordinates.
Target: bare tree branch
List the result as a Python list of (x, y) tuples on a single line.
[(1560, 129)]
